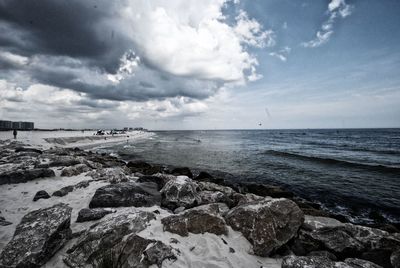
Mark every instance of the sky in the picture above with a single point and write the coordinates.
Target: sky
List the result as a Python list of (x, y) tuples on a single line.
[(210, 64)]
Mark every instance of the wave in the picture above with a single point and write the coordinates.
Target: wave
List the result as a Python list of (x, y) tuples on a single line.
[(381, 168)]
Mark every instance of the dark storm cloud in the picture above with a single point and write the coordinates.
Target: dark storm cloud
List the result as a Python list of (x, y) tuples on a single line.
[(66, 28)]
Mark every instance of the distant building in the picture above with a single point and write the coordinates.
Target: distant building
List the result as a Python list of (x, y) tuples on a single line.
[(8, 125)]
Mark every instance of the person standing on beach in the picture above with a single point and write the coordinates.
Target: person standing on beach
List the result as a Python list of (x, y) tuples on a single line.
[(15, 133)]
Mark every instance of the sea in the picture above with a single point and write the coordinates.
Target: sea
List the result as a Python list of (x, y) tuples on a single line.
[(352, 172)]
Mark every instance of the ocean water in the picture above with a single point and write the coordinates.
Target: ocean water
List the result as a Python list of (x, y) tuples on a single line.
[(354, 172)]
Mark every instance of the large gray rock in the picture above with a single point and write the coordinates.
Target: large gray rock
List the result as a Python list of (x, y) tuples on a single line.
[(358, 263), (311, 262), (180, 192), (345, 240), (208, 197), (74, 170), (99, 240), (197, 220), (135, 251), (267, 224), (210, 186), (92, 214), (395, 259), (126, 194), (39, 235), (111, 174), (158, 178), (20, 176)]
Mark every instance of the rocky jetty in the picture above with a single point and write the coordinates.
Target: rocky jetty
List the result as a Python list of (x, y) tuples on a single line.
[(137, 214)]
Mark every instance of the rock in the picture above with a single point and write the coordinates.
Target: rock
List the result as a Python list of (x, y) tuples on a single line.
[(204, 176), (324, 254), (25, 149), (159, 179), (313, 223), (143, 167), (182, 171), (345, 240), (3, 222), (395, 259), (180, 192), (21, 176), (126, 194), (39, 235), (357, 263), (267, 224), (82, 184), (142, 253), (208, 197), (92, 214), (266, 190), (113, 174), (197, 221), (41, 194), (64, 161), (241, 199), (74, 170), (99, 240), (64, 191), (311, 262), (210, 186)]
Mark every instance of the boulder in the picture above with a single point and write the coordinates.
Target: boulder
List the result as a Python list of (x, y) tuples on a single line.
[(126, 194), (158, 178), (39, 235), (27, 149), (20, 176), (311, 262), (313, 223), (210, 186), (267, 224), (197, 220), (180, 192), (266, 190), (64, 191), (324, 254), (82, 184), (111, 174), (182, 171), (208, 197), (64, 161), (92, 214), (358, 263), (135, 251), (204, 176), (4, 222), (41, 194), (395, 259), (96, 242), (241, 199), (74, 170), (144, 168)]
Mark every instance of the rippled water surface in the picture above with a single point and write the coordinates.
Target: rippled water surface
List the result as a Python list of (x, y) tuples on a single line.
[(355, 172)]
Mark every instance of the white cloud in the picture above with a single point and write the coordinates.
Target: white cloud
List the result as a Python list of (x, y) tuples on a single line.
[(281, 54), (192, 38), (129, 63), (336, 8), (13, 58)]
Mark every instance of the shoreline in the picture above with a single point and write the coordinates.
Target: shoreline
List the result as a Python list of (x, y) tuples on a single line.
[(78, 175)]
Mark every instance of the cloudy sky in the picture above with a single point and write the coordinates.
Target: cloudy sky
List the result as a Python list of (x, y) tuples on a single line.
[(210, 64)]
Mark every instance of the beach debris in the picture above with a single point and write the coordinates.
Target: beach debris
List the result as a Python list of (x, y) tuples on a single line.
[(39, 235)]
